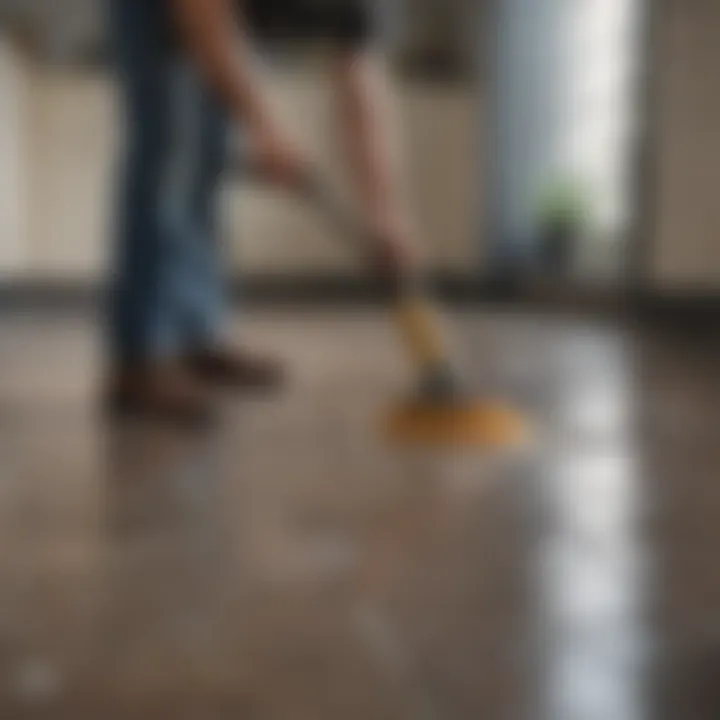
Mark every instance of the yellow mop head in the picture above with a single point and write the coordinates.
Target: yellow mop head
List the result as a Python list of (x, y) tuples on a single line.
[(442, 413), (470, 424)]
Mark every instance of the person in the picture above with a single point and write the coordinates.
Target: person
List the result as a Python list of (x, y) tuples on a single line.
[(186, 77)]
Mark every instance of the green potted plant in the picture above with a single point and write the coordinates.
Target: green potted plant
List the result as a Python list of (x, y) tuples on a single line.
[(564, 219)]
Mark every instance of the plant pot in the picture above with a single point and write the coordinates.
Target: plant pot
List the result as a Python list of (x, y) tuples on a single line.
[(557, 248)]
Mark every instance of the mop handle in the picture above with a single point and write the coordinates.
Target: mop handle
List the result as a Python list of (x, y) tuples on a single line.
[(414, 315), (313, 189)]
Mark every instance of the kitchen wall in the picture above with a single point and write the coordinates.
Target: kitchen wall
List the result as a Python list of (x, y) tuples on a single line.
[(685, 241), (69, 141), (12, 180)]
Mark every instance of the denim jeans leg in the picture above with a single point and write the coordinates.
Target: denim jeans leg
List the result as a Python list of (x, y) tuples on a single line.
[(195, 210), (144, 320)]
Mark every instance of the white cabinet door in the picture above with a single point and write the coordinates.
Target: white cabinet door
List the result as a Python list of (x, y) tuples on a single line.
[(11, 156)]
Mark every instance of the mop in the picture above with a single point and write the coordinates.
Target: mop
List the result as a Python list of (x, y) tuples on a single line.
[(441, 411)]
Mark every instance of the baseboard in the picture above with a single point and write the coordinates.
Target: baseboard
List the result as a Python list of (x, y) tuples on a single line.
[(334, 289), (684, 309), (32, 295)]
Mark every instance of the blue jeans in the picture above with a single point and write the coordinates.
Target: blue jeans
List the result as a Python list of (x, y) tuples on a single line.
[(166, 288)]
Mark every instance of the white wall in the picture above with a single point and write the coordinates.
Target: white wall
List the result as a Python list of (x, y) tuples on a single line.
[(72, 129), (686, 243), (563, 110), (441, 128), (12, 95), (596, 139)]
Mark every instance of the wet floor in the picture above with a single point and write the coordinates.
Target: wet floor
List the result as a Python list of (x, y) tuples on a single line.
[(289, 564)]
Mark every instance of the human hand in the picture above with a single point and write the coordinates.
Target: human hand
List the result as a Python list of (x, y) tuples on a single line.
[(395, 250), (276, 158)]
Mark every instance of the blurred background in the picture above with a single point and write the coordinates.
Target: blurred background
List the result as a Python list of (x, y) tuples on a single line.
[(563, 157), (527, 132)]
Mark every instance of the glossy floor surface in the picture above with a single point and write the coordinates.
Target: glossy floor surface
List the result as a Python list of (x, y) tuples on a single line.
[(289, 565)]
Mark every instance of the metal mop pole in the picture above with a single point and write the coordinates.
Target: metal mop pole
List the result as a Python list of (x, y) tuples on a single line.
[(414, 314)]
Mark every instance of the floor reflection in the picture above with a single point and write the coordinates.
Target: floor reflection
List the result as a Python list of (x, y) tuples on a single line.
[(163, 605), (160, 482), (592, 564), (289, 565)]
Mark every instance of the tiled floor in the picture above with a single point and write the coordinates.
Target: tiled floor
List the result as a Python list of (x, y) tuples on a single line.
[(291, 566)]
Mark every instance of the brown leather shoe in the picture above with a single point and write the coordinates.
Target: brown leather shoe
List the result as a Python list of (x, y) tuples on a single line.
[(164, 392), (236, 369)]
